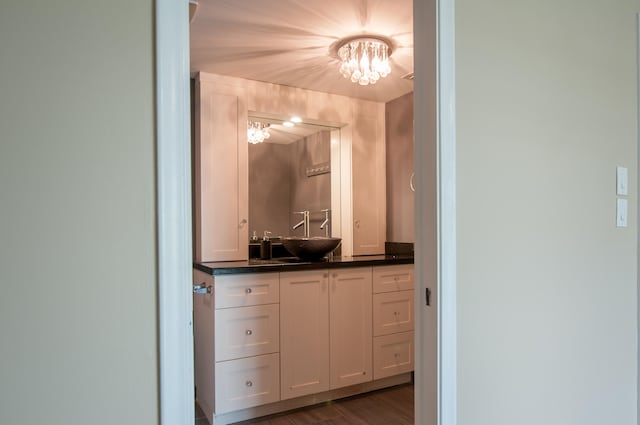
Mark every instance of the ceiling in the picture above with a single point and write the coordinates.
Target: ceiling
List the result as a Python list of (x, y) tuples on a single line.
[(288, 42)]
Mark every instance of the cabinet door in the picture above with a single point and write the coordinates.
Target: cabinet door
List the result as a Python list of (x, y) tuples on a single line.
[(221, 177), (350, 326), (392, 354), (393, 278), (247, 382), (392, 312), (240, 290), (369, 178), (304, 333), (247, 331)]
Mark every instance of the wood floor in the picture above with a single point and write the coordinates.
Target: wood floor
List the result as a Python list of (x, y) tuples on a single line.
[(391, 406)]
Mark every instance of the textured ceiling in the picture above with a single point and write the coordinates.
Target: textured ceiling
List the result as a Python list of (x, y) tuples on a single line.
[(288, 42)]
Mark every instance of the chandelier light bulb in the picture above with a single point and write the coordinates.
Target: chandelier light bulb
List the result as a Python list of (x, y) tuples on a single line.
[(365, 60), (257, 132)]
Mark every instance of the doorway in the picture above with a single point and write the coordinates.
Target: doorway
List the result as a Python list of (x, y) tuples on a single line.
[(435, 380)]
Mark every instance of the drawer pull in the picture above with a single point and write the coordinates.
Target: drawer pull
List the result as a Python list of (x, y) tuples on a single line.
[(249, 332), (249, 384), (248, 290)]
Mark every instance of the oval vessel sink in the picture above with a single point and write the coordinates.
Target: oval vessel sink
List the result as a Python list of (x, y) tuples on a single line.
[(313, 248)]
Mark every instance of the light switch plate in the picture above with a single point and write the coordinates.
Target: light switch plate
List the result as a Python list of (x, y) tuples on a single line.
[(621, 213), (622, 181)]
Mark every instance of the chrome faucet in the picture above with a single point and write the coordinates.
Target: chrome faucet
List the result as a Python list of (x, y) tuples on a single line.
[(325, 223), (304, 222)]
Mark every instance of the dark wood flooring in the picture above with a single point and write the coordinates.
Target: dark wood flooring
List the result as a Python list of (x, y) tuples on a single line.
[(391, 406)]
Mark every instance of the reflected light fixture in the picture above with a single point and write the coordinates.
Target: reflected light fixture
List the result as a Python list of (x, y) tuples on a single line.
[(364, 60), (257, 132)]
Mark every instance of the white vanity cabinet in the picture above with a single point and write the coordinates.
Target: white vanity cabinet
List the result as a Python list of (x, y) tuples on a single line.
[(273, 341), (350, 327), (393, 320), (304, 325), (326, 330), (369, 178), (221, 183), (237, 342)]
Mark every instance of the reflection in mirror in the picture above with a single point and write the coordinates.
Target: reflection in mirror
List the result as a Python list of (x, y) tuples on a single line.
[(289, 171)]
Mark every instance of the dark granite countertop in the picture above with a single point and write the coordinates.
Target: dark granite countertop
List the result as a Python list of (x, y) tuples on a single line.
[(291, 264)]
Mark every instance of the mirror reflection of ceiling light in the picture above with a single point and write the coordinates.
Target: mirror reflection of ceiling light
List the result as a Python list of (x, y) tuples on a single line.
[(296, 119), (364, 60), (257, 132), (288, 124)]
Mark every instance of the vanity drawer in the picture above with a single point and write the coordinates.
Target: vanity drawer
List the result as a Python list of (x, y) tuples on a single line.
[(392, 312), (247, 382), (392, 354), (241, 290), (393, 278), (247, 331)]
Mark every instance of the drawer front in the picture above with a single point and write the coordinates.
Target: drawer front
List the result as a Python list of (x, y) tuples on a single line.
[(393, 278), (247, 331), (392, 354), (242, 290), (392, 312), (247, 382)]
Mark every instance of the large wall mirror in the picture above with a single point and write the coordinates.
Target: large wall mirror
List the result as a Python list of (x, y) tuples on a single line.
[(290, 170)]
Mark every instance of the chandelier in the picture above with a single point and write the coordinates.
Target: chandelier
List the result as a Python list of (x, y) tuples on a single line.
[(257, 132), (364, 60)]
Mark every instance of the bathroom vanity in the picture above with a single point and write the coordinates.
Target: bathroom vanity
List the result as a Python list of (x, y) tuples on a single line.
[(281, 334)]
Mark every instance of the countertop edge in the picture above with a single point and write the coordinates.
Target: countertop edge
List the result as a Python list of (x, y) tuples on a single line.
[(217, 269)]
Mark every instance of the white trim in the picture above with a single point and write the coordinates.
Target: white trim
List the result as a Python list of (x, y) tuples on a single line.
[(174, 258), (447, 390), (434, 94), (638, 207)]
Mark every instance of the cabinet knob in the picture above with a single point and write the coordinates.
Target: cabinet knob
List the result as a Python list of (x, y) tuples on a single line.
[(249, 384), (249, 332), (248, 290)]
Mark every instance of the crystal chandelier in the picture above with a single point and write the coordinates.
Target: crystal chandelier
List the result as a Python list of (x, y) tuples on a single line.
[(364, 60), (257, 132)]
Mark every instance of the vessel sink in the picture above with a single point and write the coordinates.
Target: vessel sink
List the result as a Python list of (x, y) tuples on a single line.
[(313, 248)]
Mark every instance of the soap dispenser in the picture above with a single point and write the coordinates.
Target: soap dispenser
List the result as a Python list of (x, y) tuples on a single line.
[(265, 246)]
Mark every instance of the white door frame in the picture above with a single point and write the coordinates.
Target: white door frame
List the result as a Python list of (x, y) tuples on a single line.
[(173, 168), (175, 331)]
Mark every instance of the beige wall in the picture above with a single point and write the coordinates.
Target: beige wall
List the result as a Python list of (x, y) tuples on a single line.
[(547, 293), (77, 221), (399, 152)]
